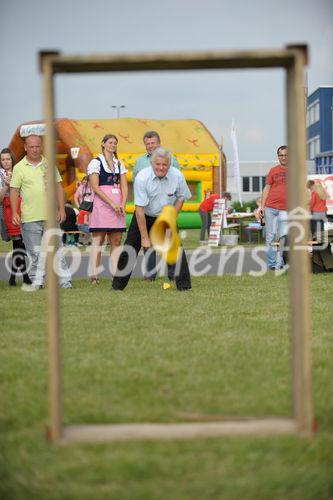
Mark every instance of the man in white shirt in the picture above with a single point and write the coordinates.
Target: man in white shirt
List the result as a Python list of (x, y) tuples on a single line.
[(154, 187)]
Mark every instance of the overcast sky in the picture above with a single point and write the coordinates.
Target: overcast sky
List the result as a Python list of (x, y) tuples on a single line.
[(255, 99)]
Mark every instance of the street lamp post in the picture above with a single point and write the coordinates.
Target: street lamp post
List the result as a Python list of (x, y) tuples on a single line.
[(118, 108)]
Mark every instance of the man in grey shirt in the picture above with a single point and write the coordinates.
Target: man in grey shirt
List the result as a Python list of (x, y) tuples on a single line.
[(154, 187), (152, 141)]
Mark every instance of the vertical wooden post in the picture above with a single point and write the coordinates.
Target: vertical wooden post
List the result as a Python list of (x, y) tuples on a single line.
[(300, 316), (55, 375)]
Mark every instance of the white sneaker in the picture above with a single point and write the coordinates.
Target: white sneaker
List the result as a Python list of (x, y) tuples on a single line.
[(66, 285), (30, 288)]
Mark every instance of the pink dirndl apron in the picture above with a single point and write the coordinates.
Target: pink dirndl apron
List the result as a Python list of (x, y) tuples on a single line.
[(103, 217)]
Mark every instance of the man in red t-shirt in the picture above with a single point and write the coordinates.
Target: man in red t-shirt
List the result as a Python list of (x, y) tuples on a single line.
[(205, 209), (274, 208)]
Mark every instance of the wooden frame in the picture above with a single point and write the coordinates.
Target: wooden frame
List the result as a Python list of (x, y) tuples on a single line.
[(292, 59)]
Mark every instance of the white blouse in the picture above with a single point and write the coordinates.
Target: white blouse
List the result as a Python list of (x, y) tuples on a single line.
[(94, 166)]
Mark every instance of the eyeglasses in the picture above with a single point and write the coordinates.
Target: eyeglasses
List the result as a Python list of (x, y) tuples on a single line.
[(282, 156)]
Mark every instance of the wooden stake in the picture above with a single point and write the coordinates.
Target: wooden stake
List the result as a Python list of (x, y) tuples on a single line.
[(55, 375), (300, 323)]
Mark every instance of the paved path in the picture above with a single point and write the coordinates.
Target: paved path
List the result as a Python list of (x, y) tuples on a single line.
[(223, 260)]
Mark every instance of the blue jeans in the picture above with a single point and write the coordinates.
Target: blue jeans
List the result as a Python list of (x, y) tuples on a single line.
[(276, 227), (317, 224), (84, 228), (206, 220), (32, 233)]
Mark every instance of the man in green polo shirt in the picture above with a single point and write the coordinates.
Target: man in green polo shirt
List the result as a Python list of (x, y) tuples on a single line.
[(29, 182), (152, 141)]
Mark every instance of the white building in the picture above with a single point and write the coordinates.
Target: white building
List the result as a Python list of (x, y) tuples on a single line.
[(253, 174)]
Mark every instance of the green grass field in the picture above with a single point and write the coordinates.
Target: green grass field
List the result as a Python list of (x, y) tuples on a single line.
[(163, 356)]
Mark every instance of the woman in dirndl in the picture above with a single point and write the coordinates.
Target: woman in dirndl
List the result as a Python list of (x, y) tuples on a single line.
[(107, 176)]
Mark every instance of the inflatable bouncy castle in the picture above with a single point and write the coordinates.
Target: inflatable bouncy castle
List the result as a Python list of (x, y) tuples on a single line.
[(189, 140)]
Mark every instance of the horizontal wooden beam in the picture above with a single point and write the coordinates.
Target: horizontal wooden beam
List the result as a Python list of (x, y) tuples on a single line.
[(170, 61), (103, 433)]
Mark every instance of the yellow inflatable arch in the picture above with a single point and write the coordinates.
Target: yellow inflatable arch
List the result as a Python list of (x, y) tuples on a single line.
[(189, 140)]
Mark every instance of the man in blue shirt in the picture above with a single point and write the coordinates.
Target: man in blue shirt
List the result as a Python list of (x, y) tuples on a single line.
[(152, 141), (155, 186)]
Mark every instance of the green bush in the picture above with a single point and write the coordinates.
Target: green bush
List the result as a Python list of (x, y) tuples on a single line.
[(242, 208)]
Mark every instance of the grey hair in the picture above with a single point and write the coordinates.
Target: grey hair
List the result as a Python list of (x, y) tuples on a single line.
[(161, 152)]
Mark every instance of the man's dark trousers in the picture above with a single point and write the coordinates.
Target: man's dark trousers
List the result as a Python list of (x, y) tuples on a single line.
[(150, 260), (182, 273)]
